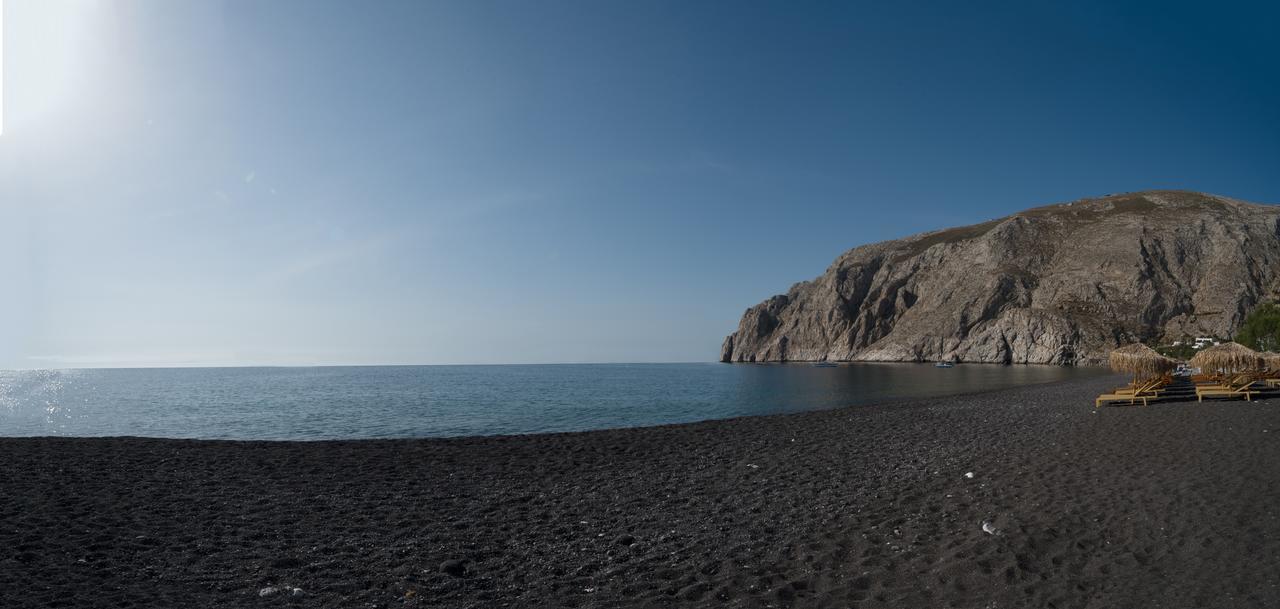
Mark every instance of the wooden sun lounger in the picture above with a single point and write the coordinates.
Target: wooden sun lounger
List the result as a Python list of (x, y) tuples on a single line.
[(1225, 392), (1223, 381), (1150, 387), (1109, 398)]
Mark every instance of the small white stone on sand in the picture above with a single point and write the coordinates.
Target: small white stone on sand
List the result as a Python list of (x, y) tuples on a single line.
[(968, 474), (268, 591), (753, 466), (297, 592), (990, 529)]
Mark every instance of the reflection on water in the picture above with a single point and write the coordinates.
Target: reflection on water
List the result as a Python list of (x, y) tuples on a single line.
[(422, 401)]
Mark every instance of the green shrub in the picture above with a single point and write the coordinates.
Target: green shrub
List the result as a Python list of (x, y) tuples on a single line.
[(1261, 330)]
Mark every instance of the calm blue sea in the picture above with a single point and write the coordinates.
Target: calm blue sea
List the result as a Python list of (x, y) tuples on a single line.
[(433, 401)]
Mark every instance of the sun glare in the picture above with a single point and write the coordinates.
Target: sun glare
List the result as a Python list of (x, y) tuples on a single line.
[(47, 62)]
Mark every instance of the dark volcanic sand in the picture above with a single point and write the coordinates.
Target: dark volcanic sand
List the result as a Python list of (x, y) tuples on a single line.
[(1169, 506)]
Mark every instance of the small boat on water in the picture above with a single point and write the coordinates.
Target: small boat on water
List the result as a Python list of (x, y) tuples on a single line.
[(944, 365), (824, 365)]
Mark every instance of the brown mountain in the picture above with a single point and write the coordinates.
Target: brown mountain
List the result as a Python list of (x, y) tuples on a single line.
[(1061, 284)]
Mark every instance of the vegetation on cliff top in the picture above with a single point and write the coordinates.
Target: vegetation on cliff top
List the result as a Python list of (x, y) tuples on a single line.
[(1261, 329)]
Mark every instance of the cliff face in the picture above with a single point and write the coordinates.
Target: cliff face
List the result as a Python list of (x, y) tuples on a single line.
[(1061, 284)]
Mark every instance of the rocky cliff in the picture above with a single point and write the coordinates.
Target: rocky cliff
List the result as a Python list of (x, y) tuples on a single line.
[(1061, 284)]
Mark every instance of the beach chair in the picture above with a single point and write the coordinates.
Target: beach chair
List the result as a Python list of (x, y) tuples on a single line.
[(1151, 387), (1225, 392), (1240, 385), (1112, 398)]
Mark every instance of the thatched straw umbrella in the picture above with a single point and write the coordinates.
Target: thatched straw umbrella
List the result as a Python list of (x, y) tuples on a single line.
[(1271, 360), (1141, 361), (1229, 358)]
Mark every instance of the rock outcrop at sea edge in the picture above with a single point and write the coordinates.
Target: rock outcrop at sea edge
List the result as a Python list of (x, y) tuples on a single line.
[(1061, 284)]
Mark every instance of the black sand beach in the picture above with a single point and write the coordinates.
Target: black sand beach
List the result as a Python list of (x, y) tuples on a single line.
[(1173, 505)]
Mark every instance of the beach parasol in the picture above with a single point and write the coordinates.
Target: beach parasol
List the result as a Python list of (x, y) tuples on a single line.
[(1140, 360), (1229, 358), (1271, 360)]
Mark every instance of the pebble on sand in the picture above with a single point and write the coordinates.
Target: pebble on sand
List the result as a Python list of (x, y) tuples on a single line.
[(274, 590), (456, 568)]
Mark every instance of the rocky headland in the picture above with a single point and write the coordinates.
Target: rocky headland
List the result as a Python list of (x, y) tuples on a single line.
[(1060, 284)]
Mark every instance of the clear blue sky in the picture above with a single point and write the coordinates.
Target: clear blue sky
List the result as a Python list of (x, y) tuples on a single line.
[(455, 182)]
